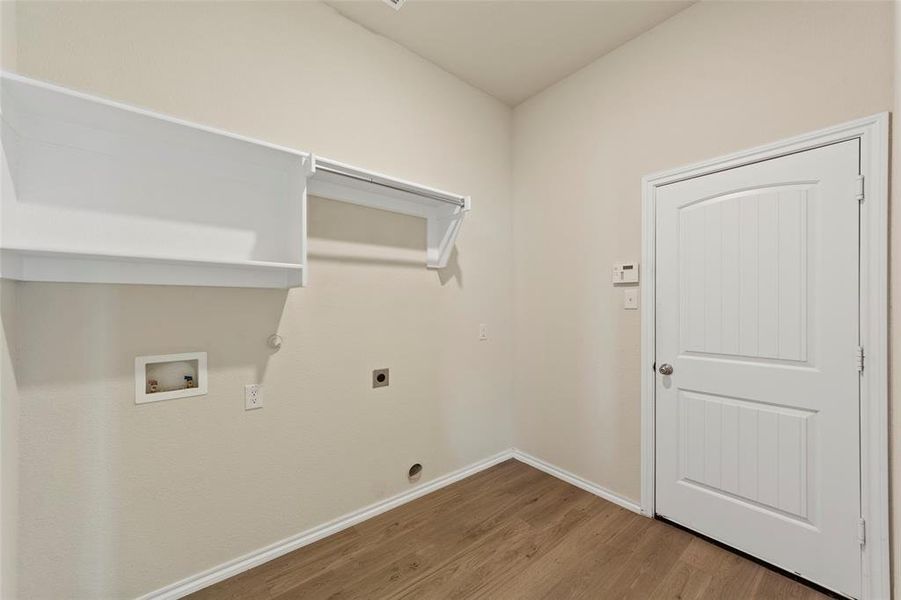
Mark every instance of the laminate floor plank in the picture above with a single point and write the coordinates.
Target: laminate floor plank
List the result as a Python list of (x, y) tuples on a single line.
[(504, 554), (378, 536), (510, 532), (387, 564)]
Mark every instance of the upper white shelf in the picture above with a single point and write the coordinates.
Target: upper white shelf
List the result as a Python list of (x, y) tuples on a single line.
[(98, 191), (442, 210)]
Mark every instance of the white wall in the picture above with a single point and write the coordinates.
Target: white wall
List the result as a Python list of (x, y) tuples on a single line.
[(714, 79), (117, 499)]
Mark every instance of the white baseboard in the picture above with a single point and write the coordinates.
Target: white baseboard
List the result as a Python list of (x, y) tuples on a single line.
[(257, 557), (231, 568), (576, 480)]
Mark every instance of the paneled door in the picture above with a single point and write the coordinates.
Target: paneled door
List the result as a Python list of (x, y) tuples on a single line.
[(757, 393)]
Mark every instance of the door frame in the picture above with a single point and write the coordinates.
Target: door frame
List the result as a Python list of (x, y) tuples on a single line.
[(874, 263)]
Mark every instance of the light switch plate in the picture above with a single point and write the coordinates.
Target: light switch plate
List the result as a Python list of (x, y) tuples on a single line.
[(630, 298)]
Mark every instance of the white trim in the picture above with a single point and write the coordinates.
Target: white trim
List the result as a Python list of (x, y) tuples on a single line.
[(575, 480), (874, 323), (873, 134), (59, 265), (231, 568), (648, 346)]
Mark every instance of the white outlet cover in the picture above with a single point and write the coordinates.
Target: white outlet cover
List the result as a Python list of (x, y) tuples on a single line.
[(253, 396), (483, 331), (630, 298)]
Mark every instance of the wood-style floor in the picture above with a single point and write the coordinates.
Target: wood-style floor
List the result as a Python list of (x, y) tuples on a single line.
[(510, 532)]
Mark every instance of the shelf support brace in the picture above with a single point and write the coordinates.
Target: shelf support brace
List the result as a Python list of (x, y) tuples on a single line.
[(441, 235), (442, 211)]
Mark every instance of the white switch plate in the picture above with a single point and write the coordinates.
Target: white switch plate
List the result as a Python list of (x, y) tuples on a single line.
[(630, 298), (253, 396), (483, 332)]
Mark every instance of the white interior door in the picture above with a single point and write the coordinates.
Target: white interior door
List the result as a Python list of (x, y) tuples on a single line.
[(757, 426)]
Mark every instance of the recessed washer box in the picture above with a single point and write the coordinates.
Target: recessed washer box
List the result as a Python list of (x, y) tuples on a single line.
[(170, 376)]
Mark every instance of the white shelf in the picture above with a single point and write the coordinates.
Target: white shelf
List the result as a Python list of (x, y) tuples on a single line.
[(100, 192), (33, 264), (97, 191), (443, 211)]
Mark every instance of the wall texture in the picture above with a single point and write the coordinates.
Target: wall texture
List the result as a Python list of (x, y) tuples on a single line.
[(714, 79), (116, 499)]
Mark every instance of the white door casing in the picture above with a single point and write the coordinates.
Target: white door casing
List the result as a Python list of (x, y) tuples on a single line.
[(758, 426), (787, 347)]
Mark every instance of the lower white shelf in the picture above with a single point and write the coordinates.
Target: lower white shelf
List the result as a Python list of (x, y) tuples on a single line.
[(64, 266)]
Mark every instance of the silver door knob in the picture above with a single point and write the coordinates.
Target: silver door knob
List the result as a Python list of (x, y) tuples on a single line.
[(666, 369)]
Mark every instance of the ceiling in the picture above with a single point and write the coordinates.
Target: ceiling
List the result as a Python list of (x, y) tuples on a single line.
[(510, 49)]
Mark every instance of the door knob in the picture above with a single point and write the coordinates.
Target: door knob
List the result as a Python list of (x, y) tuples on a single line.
[(666, 369)]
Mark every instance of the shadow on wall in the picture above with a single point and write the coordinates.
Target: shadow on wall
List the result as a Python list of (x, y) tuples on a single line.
[(99, 329), (81, 430), (7, 323), (108, 325), (452, 271), (118, 462), (345, 233)]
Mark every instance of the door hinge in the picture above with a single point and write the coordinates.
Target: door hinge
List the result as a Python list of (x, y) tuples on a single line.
[(860, 359), (862, 531), (860, 188)]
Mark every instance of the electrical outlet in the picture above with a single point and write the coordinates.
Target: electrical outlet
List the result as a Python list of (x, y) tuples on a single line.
[(483, 332), (253, 396), (380, 378)]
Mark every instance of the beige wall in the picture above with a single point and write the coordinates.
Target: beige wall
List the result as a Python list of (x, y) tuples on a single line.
[(9, 397), (117, 499), (9, 449), (714, 79)]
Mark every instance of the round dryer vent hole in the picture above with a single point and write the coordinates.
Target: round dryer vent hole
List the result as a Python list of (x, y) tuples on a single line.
[(380, 378), (415, 472)]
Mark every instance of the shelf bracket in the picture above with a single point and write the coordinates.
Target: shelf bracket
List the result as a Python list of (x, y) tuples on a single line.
[(441, 235), (443, 211)]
